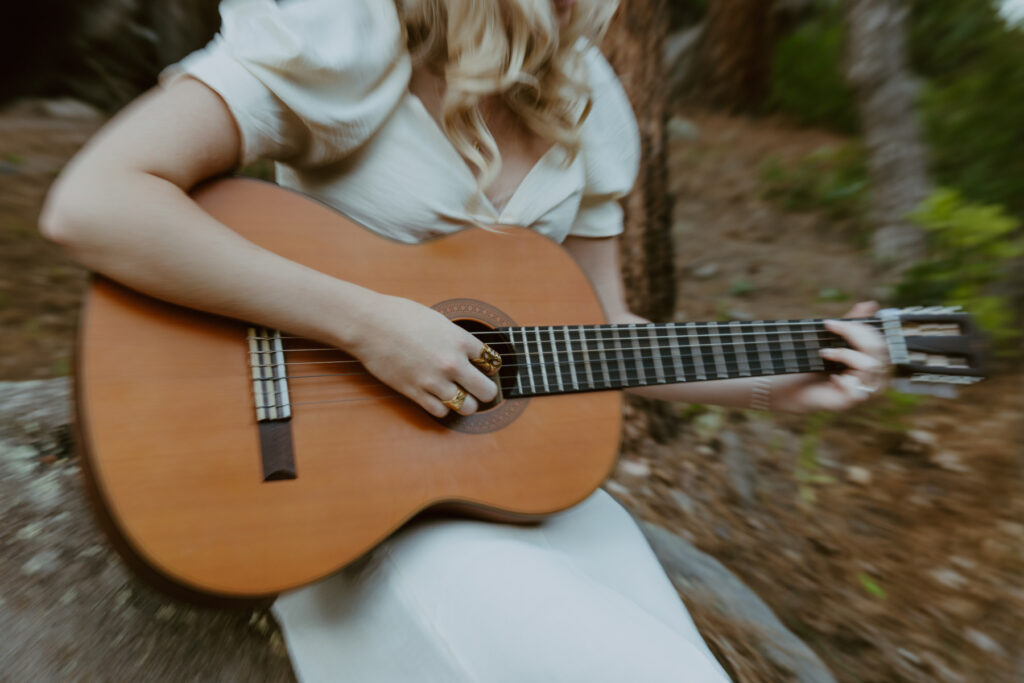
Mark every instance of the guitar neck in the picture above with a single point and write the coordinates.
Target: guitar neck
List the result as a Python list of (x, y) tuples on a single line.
[(575, 358)]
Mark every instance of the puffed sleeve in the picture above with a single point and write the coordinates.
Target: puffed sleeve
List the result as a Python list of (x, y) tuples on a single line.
[(307, 81), (610, 146)]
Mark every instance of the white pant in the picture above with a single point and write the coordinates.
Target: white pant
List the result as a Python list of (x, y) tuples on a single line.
[(580, 597)]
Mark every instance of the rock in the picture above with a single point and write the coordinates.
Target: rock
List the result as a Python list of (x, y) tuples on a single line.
[(616, 489), (682, 129), (858, 475), (684, 502), (707, 271), (923, 437), (44, 562), (949, 461), (740, 471), (984, 642), (704, 450), (634, 468), (72, 611), (948, 577), (705, 584)]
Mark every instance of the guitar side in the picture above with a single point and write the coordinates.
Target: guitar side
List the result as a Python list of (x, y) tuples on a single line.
[(169, 430)]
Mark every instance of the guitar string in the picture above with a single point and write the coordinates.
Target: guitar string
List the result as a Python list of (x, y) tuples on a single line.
[(546, 339), (661, 326), (613, 381), (678, 331), (536, 355)]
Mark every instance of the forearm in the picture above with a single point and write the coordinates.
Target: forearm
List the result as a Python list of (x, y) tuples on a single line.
[(147, 233)]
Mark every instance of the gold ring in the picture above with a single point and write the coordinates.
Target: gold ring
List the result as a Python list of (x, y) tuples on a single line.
[(489, 361), (456, 401)]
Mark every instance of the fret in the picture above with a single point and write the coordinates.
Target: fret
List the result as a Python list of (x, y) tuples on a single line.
[(557, 359), (775, 354), (526, 358), (617, 366), (787, 347), (751, 350), (572, 358), (626, 355), (811, 334), (674, 351), (721, 362), (542, 362), (657, 339), (740, 349), (706, 351), (695, 351), (603, 356), (585, 354), (639, 376)]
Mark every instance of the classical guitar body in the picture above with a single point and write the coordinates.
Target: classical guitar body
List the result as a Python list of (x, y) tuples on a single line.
[(210, 498)]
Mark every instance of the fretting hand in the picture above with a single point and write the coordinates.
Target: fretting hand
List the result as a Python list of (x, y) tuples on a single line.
[(867, 370)]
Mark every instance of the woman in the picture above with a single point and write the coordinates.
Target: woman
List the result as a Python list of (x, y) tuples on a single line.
[(419, 118)]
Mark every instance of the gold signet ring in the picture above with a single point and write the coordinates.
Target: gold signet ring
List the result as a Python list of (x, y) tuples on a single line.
[(489, 361), (456, 401)]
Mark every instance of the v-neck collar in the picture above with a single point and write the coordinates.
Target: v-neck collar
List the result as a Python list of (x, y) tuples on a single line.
[(499, 214)]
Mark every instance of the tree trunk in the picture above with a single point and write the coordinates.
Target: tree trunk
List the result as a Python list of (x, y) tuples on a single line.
[(733, 70), (876, 68), (634, 46)]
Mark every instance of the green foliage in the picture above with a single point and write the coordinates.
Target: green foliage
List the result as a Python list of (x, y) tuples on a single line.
[(832, 294), (973, 105), (972, 248), (831, 179), (871, 586), (808, 468), (890, 412), (807, 77)]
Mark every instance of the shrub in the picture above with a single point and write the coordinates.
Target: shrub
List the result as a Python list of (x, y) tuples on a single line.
[(807, 77), (831, 179), (973, 249)]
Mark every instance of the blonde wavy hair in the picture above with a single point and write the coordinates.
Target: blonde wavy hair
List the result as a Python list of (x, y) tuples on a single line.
[(514, 49)]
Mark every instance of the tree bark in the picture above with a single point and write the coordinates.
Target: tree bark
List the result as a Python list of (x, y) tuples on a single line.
[(733, 70), (634, 46), (876, 67)]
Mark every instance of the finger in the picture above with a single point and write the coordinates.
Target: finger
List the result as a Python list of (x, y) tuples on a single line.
[(846, 394), (450, 392), (855, 360), (860, 336), (855, 390), (431, 404), (476, 383), (862, 309)]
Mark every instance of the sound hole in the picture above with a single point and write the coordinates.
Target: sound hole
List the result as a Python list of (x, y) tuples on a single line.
[(499, 342), (478, 317)]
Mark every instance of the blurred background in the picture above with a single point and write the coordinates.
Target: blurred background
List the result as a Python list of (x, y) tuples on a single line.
[(800, 155)]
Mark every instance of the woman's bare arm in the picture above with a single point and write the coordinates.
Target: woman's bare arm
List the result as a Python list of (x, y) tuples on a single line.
[(121, 208)]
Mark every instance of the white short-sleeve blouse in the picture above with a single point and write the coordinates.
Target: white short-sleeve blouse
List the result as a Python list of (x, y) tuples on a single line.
[(322, 88)]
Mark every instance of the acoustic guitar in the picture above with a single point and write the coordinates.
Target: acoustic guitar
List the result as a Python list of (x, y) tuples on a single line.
[(239, 462)]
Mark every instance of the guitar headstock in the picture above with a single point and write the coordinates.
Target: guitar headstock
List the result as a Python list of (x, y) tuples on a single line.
[(932, 346)]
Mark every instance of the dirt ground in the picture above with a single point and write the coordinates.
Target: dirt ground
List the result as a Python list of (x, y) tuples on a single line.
[(889, 539)]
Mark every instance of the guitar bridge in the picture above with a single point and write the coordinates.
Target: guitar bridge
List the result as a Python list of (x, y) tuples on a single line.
[(272, 403)]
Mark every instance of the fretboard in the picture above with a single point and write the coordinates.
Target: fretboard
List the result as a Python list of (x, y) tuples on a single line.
[(574, 358)]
